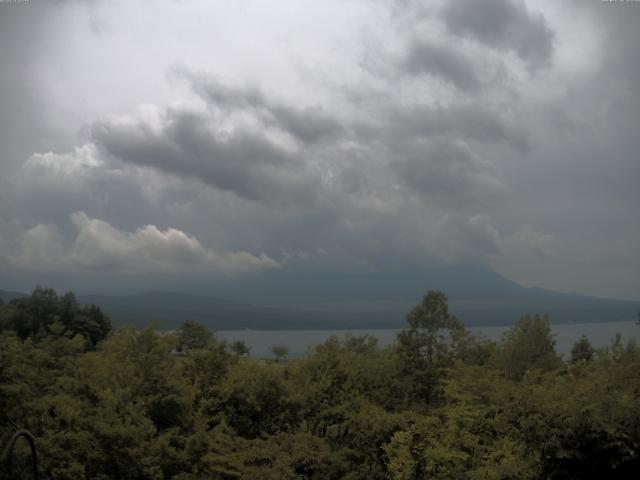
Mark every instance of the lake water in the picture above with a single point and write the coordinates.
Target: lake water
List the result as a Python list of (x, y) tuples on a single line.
[(301, 341)]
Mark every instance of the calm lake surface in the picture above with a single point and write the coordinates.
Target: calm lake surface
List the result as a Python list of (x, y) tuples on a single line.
[(301, 341)]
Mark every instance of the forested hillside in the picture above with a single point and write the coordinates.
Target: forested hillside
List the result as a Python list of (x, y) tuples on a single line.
[(439, 403)]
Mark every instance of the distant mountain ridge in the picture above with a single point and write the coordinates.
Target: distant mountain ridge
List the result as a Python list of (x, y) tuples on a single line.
[(7, 295), (477, 295)]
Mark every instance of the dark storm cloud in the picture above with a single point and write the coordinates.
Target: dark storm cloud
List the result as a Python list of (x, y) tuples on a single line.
[(503, 24), (421, 146), (219, 94), (472, 121), (242, 142), (308, 124), (444, 62), (450, 174), (243, 161)]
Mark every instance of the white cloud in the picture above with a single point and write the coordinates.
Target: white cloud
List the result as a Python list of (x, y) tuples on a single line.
[(83, 157), (100, 246), (39, 247)]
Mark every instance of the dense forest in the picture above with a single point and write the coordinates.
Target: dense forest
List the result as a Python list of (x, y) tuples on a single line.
[(440, 403)]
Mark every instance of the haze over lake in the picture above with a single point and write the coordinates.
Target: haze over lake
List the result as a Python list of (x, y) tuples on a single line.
[(300, 341)]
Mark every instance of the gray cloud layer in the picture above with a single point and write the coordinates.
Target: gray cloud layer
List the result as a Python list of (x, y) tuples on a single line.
[(444, 62), (240, 142), (477, 131), (504, 24)]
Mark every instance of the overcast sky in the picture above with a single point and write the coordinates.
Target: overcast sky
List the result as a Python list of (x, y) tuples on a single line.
[(195, 139)]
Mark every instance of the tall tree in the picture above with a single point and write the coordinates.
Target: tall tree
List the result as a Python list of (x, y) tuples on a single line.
[(193, 335), (280, 350), (427, 345), (530, 344), (582, 350)]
